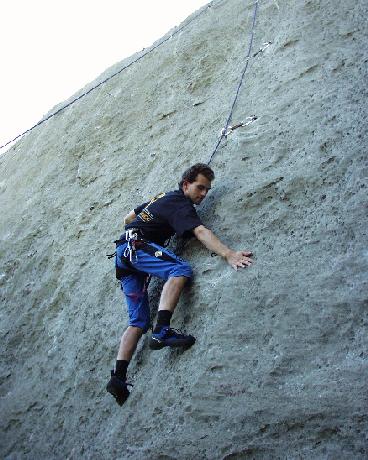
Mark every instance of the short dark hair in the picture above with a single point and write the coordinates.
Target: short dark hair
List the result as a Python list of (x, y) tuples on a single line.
[(191, 173)]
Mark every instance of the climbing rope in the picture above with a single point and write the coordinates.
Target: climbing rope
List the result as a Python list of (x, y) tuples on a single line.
[(227, 128), (108, 78)]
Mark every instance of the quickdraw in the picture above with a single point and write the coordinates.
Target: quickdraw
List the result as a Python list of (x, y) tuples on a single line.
[(264, 46), (230, 129)]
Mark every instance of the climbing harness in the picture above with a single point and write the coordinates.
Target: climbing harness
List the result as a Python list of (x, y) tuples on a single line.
[(131, 236), (133, 240), (230, 129)]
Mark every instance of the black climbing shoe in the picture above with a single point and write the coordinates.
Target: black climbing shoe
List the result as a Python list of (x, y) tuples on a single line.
[(118, 388), (168, 337)]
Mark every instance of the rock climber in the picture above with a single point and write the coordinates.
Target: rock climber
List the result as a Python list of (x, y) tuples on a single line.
[(141, 252)]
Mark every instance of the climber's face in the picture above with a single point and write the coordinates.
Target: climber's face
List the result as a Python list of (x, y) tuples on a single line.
[(198, 189)]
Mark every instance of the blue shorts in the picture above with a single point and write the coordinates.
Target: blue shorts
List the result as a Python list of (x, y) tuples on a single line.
[(152, 259)]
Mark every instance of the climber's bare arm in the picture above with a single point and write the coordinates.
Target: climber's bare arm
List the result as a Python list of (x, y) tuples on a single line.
[(234, 258), (129, 217)]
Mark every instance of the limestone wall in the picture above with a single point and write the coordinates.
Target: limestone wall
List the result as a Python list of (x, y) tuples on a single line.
[(279, 369)]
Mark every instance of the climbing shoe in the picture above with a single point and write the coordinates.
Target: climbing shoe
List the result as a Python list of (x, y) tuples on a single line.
[(168, 337), (118, 388)]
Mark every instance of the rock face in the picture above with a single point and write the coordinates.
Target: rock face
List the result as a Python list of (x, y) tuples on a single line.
[(279, 369)]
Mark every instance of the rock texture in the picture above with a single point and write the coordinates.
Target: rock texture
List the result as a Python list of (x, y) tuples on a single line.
[(279, 369)]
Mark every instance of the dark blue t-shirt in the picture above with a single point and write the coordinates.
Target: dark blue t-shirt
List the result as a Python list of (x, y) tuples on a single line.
[(163, 216)]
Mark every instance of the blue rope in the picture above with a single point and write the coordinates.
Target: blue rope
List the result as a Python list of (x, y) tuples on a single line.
[(223, 132), (108, 78)]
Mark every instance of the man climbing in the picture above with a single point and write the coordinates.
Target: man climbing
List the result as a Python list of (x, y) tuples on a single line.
[(140, 253)]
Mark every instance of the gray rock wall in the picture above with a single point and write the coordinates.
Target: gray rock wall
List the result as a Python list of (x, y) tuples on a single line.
[(279, 369)]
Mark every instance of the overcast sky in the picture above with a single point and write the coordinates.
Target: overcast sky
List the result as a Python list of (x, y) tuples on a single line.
[(52, 48)]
